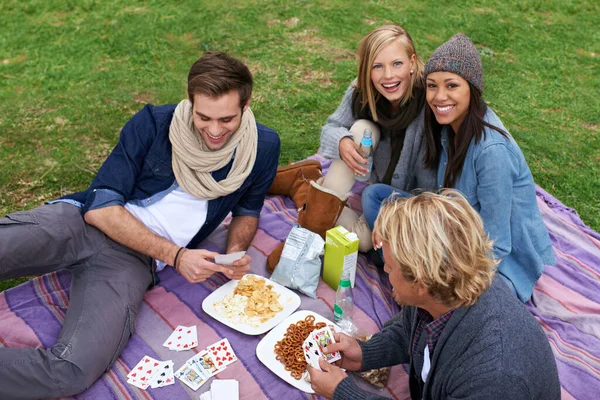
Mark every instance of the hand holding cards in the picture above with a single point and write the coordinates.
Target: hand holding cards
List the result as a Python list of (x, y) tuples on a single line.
[(314, 345)]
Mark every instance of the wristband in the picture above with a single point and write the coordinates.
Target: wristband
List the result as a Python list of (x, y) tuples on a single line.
[(180, 251)]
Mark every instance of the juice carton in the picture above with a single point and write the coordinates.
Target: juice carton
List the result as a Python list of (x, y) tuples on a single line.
[(341, 253)]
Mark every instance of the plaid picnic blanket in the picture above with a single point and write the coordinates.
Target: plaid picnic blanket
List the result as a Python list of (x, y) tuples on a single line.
[(566, 302)]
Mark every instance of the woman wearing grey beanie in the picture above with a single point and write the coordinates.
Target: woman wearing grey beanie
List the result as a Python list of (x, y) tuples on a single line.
[(470, 149)]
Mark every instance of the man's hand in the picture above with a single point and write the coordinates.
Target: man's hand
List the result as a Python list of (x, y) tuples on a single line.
[(349, 349), (350, 154), (239, 267), (195, 265), (324, 382)]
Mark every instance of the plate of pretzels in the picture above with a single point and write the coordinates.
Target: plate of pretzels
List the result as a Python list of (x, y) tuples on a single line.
[(281, 349)]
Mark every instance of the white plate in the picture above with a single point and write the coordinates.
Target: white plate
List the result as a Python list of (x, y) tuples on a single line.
[(288, 299), (265, 353)]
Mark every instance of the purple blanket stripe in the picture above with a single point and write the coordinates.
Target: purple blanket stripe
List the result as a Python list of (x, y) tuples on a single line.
[(368, 295), (54, 296), (564, 291), (33, 310), (573, 279), (566, 212)]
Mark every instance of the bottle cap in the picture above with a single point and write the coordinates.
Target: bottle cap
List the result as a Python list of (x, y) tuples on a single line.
[(344, 283)]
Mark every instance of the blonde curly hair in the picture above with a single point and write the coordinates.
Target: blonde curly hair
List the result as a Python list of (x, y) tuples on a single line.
[(439, 241)]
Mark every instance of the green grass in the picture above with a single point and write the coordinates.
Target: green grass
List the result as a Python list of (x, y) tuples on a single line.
[(73, 72)]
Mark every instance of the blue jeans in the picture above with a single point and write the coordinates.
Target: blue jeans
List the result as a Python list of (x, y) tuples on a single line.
[(373, 197)]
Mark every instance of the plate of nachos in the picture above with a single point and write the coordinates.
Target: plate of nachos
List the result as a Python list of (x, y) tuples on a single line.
[(253, 305)]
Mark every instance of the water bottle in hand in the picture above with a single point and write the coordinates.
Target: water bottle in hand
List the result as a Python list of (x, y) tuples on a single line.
[(366, 150)]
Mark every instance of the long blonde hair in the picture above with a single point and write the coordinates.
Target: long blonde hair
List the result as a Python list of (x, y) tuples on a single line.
[(439, 241), (369, 48)]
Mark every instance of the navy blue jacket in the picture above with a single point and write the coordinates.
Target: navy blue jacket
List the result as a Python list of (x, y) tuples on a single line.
[(139, 170)]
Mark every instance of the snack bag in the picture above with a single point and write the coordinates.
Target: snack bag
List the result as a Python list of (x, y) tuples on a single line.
[(376, 377), (300, 266)]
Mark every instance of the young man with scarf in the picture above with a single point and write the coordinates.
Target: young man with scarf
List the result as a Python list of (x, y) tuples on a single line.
[(174, 175)]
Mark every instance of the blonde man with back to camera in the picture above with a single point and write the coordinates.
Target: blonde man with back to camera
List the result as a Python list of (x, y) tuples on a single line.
[(461, 329)]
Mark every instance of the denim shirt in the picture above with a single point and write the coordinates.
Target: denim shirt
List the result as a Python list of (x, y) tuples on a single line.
[(498, 184), (139, 171)]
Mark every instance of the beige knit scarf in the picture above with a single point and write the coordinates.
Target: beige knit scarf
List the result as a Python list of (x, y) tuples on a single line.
[(193, 161)]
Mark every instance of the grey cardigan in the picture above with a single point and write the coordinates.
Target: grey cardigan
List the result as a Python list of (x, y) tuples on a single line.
[(492, 350), (410, 172)]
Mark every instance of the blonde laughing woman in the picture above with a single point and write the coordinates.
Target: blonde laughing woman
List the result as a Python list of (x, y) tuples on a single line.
[(388, 97)]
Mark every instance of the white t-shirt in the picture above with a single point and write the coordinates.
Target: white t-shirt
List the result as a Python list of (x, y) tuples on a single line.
[(426, 364), (177, 217)]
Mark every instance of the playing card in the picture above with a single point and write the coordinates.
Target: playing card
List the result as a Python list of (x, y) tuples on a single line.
[(205, 364), (228, 259), (171, 339), (143, 386), (185, 339), (164, 375), (143, 372), (189, 340), (206, 396), (222, 353), (190, 376), (312, 353), (323, 338), (225, 389)]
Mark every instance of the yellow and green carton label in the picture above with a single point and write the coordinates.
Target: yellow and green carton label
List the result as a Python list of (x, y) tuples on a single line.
[(341, 252)]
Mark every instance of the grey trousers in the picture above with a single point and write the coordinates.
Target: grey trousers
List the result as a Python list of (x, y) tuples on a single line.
[(108, 284)]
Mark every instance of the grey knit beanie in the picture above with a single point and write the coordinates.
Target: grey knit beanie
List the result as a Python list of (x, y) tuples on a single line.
[(460, 56)]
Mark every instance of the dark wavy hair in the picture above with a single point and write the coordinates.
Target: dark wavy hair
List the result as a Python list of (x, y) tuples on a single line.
[(217, 73), (472, 127)]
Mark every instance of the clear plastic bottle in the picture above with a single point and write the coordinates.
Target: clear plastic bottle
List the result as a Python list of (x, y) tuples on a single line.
[(344, 304), (366, 148)]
